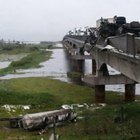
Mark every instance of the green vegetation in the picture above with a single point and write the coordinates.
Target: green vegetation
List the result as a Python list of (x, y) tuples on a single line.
[(32, 60), (116, 121), (16, 47), (36, 91), (47, 94), (74, 75)]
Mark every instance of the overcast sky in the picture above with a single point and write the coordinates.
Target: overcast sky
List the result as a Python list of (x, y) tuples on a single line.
[(38, 20)]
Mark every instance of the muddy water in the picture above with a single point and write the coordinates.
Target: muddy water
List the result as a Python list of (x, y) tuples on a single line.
[(57, 67), (4, 64), (6, 59)]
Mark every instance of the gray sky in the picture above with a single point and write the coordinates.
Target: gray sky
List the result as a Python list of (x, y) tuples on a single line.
[(37, 20)]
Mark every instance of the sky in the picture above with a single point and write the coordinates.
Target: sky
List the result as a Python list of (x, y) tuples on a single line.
[(50, 20)]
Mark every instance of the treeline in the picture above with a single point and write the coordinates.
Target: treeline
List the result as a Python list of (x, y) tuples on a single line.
[(12, 45), (9, 45)]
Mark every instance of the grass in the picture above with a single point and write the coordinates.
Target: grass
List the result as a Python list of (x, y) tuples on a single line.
[(32, 60), (39, 90), (47, 94), (18, 50), (99, 125), (35, 55)]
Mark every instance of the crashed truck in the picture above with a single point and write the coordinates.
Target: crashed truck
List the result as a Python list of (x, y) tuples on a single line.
[(43, 119), (116, 26), (109, 27)]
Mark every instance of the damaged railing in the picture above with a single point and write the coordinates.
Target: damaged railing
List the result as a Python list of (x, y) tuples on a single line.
[(126, 43)]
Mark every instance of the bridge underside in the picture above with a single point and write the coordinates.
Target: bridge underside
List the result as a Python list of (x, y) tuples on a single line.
[(123, 57), (126, 64)]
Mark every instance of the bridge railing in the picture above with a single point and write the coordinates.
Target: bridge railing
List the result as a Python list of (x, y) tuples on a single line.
[(127, 43), (78, 37)]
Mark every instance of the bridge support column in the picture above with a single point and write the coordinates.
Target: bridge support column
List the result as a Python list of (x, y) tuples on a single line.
[(94, 67), (129, 92), (100, 89), (99, 93), (80, 66)]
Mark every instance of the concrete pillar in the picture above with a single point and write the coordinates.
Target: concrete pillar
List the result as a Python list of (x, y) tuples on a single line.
[(80, 66), (129, 92), (103, 70), (94, 67), (100, 94)]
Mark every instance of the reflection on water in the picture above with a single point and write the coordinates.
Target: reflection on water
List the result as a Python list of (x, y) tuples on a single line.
[(57, 67)]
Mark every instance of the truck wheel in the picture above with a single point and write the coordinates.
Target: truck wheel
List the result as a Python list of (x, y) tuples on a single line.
[(14, 124)]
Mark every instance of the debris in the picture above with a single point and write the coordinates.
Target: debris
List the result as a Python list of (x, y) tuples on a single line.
[(12, 108), (43, 119), (52, 137)]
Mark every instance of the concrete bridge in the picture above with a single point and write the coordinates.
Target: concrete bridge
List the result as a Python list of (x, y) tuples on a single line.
[(120, 52)]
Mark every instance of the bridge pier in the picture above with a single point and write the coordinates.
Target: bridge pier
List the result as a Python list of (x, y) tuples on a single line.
[(99, 93), (79, 66), (129, 92), (100, 81), (100, 88), (127, 63), (94, 67)]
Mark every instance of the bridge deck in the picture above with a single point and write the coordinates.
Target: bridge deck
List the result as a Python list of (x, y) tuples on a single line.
[(123, 61)]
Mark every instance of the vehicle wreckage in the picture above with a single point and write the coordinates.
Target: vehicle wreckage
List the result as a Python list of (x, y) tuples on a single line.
[(106, 28), (111, 27), (42, 120)]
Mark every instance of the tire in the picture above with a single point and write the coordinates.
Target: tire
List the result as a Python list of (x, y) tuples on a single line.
[(14, 124)]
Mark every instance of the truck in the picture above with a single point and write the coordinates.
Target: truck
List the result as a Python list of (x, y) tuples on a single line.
[(42, 120)]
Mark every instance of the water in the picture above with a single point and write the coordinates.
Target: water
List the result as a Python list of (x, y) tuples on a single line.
[(4, 64), (119, 88), (57, 67), (6, 57)]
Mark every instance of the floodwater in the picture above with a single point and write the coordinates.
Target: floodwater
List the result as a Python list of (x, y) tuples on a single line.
[(112, 71), (4, 64), (57, 68), (6, 59)]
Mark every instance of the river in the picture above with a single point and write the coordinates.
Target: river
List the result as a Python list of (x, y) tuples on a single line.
[(57, 68)]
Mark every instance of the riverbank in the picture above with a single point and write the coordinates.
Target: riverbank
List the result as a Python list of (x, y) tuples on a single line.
[(43, 94), (32, 59)]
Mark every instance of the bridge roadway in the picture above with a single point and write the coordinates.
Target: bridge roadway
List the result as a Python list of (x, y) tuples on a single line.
[(121, 53)]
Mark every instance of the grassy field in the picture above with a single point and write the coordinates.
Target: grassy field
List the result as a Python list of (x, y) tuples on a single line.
[(46, 94)]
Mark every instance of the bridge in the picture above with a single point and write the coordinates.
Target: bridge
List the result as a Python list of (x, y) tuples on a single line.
[(121, 52)]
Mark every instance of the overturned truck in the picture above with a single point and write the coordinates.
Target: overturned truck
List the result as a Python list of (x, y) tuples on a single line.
[(43, 119)]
